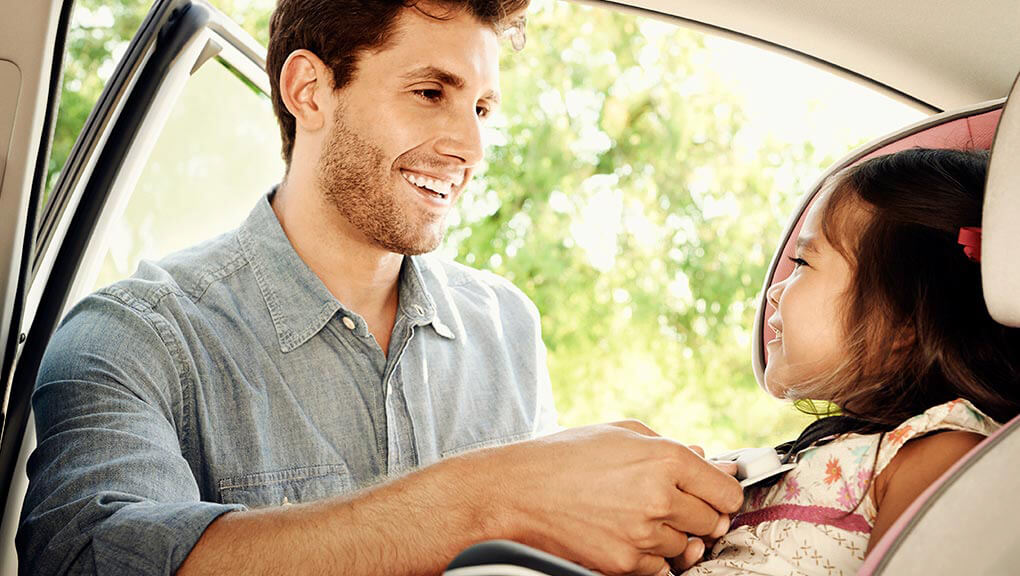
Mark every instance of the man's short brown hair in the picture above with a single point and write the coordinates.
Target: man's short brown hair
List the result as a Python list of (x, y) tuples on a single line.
[(339, 31)]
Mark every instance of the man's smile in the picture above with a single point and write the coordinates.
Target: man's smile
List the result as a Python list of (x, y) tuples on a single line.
[(440, 185)]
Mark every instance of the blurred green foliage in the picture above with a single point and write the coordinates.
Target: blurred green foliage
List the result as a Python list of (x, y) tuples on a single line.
[(616, 199), (617, 196), (98, 37)]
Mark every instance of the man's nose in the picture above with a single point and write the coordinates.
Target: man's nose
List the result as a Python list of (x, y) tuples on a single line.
[(462, 138)]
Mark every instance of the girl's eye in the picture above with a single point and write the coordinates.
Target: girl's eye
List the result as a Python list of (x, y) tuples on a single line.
[(429, 94), (797, 262), (482, 111)]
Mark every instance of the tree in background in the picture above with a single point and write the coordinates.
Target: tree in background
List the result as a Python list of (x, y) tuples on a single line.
[(622, 194), (619, 198), (97, 38)]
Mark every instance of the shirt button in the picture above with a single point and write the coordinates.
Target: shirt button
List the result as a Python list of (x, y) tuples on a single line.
[(348, 323), (442, 329), (419, 310)]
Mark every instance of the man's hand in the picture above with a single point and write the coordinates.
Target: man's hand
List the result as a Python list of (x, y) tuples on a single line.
[(616, 497), (697, 546)]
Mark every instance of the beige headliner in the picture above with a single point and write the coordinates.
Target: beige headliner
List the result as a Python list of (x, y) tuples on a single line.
[(946, 53)]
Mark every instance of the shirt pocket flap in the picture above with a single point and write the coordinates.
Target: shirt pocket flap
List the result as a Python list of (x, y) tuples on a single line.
[(290, 486)]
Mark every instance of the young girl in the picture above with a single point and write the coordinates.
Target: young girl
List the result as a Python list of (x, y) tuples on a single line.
[(883, 317)]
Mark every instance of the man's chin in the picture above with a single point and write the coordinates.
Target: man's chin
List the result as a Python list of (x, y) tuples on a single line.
[(416, 246), (423, 248), (416, 251)]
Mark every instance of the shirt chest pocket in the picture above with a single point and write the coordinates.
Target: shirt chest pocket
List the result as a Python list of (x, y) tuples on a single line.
[(290, 486)]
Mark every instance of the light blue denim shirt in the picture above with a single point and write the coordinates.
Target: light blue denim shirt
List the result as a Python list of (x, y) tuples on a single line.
[(228, 377)]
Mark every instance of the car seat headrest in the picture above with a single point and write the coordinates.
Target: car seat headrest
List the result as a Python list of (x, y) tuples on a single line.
[(1000, 221)]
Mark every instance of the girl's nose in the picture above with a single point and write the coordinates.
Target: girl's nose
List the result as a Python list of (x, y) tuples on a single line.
[(773, 293)]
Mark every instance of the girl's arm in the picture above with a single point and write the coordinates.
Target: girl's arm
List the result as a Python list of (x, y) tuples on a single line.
[(915, 467)]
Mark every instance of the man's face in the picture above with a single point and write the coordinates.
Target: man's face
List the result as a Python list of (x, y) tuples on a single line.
[(407, 131)]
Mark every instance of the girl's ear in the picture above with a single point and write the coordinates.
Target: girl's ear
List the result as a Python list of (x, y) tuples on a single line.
[(904, 338), (894, 344)]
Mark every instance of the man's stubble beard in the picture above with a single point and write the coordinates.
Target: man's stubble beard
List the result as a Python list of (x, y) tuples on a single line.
[(355, 180)]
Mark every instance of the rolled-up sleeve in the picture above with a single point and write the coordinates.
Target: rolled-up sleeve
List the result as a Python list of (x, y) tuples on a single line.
[(110, 491)]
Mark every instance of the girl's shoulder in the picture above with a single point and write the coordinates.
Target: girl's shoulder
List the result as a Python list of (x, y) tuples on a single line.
[(913, 456), (839, 474), (958, 414)]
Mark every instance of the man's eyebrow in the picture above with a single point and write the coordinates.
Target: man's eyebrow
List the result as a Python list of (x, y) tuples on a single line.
[(445, 77), (437, 74)]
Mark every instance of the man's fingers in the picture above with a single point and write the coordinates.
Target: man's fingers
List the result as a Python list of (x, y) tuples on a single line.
[(699, 478), (726, 467), (668, 542), (691, 515), (635, 426), (652, 565), (721, 528), (692, 554)]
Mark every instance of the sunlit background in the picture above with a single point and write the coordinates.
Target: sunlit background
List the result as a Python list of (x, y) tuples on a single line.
[(639, 176)]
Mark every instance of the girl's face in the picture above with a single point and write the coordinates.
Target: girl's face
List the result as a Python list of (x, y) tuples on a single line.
[(808, 320)]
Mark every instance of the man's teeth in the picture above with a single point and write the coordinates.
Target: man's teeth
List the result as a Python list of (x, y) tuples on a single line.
[(441, 187)]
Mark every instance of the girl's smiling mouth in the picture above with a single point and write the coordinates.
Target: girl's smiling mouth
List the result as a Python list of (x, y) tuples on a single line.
[(778, 329)]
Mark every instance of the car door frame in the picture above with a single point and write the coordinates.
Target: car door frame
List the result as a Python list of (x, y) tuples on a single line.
[(59, 262)]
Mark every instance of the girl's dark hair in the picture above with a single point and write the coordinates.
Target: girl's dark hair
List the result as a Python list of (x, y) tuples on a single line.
[(918, 331)]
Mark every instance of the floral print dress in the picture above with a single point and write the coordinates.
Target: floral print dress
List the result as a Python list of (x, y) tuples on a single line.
[(817, 519)]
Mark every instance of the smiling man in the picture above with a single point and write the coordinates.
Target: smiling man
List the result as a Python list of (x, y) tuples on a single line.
[(315, 393)]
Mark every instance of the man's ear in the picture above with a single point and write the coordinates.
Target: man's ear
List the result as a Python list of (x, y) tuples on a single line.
[(305, 86)]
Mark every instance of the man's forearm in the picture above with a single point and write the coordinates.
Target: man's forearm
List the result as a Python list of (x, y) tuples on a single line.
[(615, 498), (412, 526)]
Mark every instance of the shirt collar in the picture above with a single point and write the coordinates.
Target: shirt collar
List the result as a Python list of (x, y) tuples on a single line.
[(415, 301), (298, 302)]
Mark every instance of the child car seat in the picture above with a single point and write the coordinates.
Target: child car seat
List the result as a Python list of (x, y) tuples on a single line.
[(969, 511)]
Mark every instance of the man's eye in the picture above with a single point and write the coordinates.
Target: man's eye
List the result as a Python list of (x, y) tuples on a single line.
[(797, 262), (429, 94), (482, 111)]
